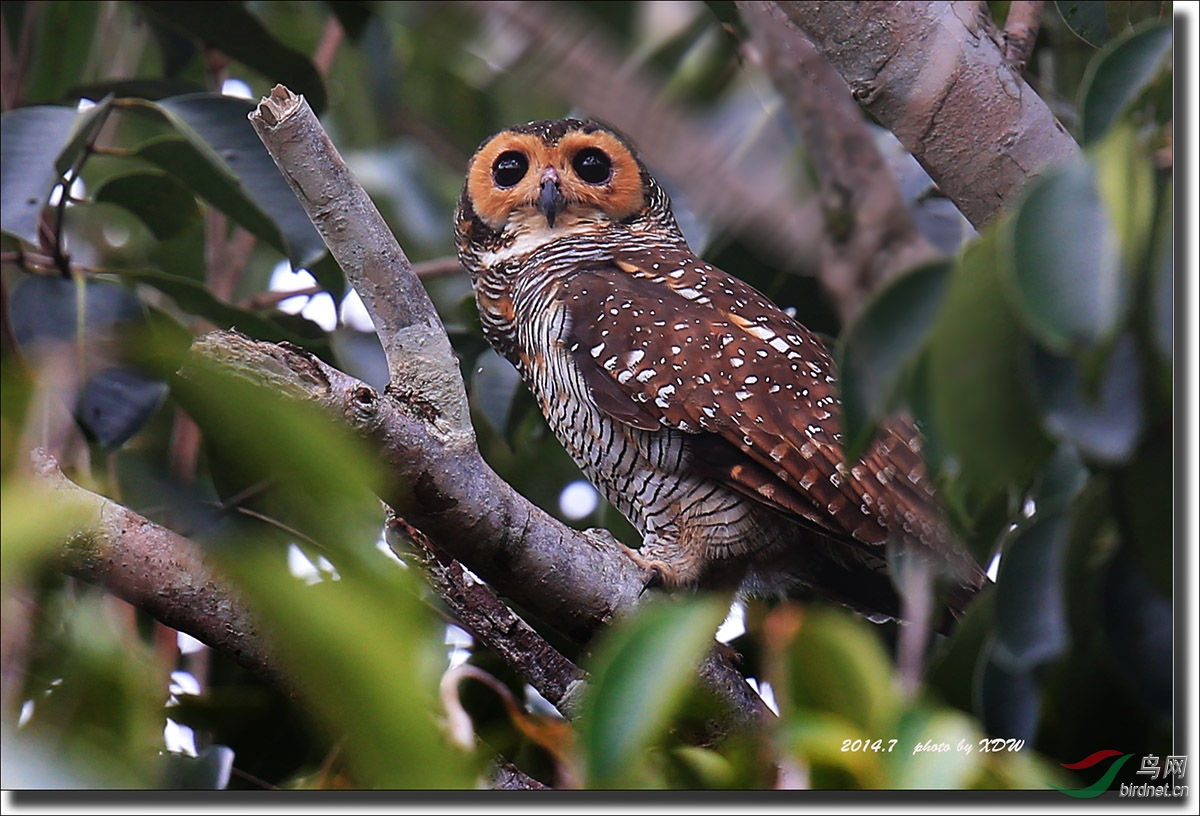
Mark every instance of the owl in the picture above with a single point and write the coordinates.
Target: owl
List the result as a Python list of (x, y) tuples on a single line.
[(697, 407)]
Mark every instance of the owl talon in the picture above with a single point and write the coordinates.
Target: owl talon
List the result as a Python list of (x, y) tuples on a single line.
[(655, 574)]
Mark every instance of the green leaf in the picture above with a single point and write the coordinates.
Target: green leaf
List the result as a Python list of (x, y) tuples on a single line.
[(1161, 303), (366, 654), (222, 159), (105, 712), (1031, 608), (1065, 268), (985, 428), (215, 183), (49, 307), (31, 140), (194, 297), (267, 436), (230, 28), (1010, 701), (940, 751), (1125, 179), (1121, 73), (117, 402), (878, 351), (1106, 425), (162, 204), (35, 522), (1088, 19), (1145, 507), (836, 664), (641, 674), (820, 739), (222, 123)]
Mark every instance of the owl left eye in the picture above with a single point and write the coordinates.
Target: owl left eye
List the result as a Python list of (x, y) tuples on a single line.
[(592, 165)]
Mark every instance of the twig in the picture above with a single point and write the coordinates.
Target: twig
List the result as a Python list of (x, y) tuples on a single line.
[(1021, 31), (480, 611)]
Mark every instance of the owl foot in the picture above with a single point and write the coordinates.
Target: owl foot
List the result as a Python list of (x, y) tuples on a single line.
[(656, 574)]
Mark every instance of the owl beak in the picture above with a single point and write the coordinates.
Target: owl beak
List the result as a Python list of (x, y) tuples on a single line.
[(551, 201)]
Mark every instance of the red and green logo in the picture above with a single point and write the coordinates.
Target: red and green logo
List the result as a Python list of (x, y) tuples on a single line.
[(1100, 785)]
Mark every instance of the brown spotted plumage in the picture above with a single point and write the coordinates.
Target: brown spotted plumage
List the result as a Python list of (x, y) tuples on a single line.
[(697, 407)]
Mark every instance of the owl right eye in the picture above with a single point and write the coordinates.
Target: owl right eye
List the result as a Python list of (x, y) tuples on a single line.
[(509, 168)]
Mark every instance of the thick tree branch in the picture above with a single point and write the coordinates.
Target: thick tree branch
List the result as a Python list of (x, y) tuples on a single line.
[(578, 581), (869, 236), (163, 573), (935, 74)]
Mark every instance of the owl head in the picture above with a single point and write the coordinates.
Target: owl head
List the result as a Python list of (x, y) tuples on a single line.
[(549, 180)]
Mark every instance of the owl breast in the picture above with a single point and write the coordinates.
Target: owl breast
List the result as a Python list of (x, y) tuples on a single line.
[(651, 476)]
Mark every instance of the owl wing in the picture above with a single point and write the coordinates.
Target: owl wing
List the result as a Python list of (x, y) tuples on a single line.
[(670, 341)]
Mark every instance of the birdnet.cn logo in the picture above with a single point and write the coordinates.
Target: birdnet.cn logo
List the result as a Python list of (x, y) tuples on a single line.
[(1162, 779)]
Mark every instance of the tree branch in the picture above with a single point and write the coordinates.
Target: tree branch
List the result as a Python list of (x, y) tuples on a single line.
[(869, 236), (579, 581), (481, 612), (1021, 30), (420, 358), (935, 74), (163, 573)]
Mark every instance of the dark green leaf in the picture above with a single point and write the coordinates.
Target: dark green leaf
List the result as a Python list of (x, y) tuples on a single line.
[(1061, 480), (1066, 265), (62, 47), (1121, 73), (329, 274), (117, 402), (1137, 620), (1087, 18), (220, 121), (214, 183), (1105, 426), (1145, 507), (230, 28), (1010, 701), (193, 297), (159, 201), (640, 676), (46, 307), (31, 140), (879, 348), (86, 128), (984, 425), (360, 355), (1031, 612), (1162, 281)]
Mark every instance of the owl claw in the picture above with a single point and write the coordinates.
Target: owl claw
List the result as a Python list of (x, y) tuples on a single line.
[(655, 574)]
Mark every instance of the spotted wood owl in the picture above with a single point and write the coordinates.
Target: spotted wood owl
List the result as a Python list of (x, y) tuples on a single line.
[(707, 415)]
